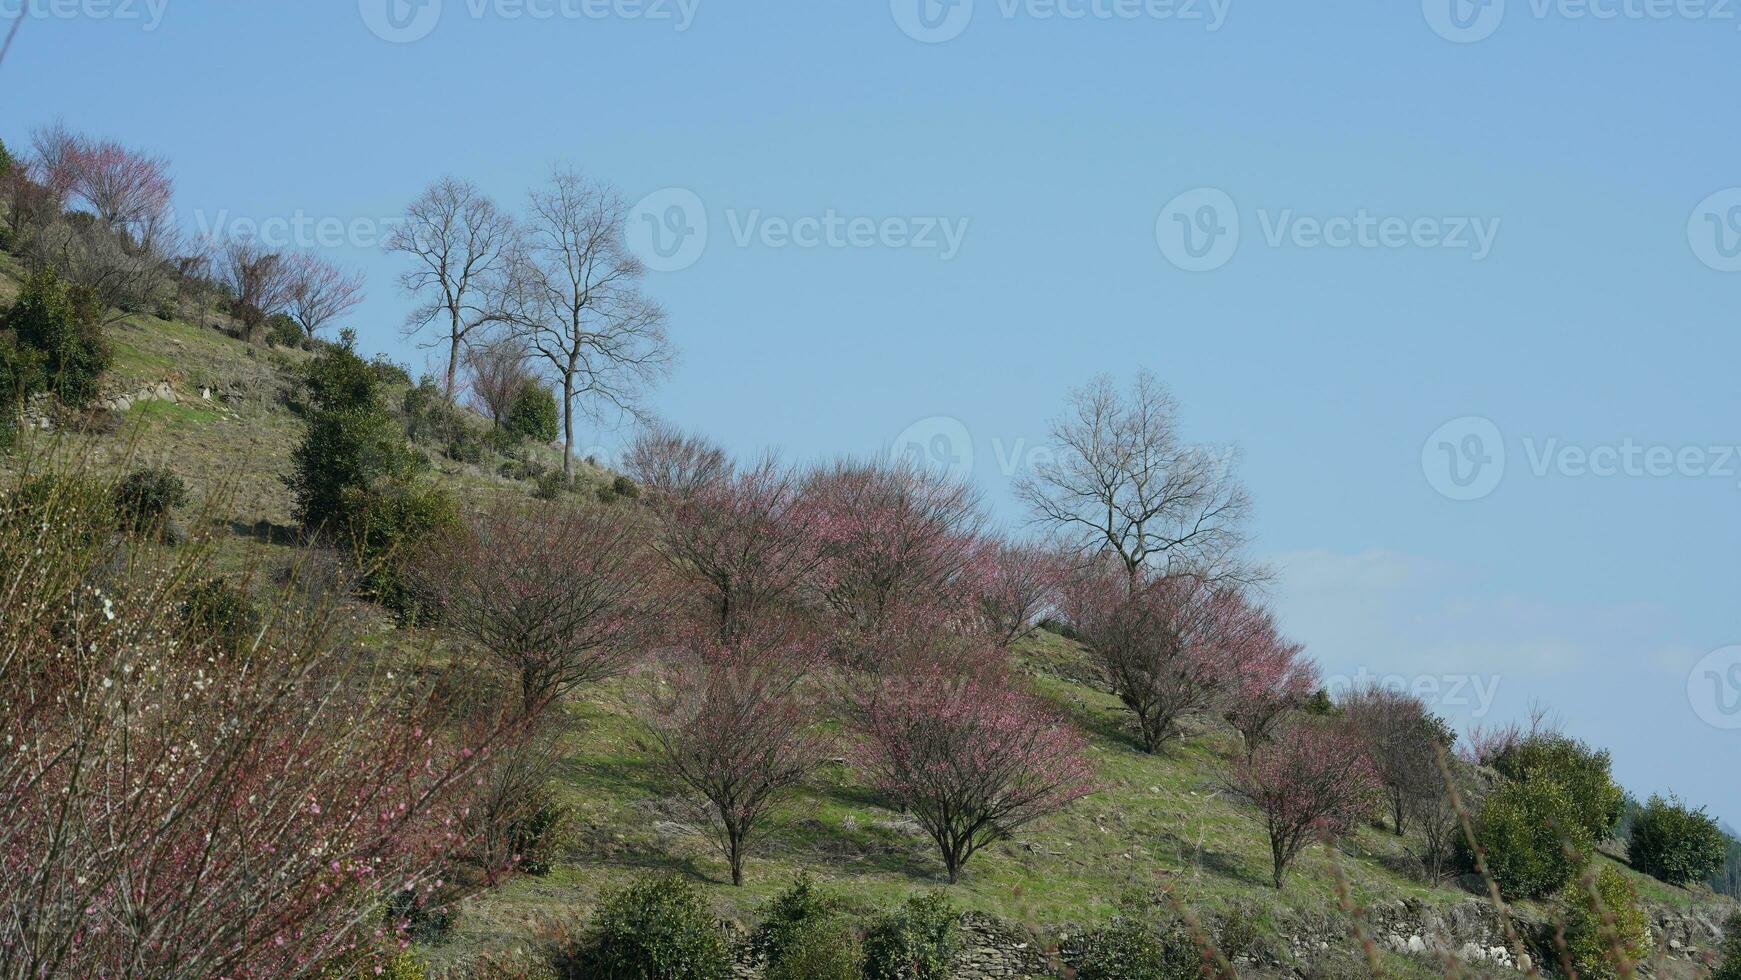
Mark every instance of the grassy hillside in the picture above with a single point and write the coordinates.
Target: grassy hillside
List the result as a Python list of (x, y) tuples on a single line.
[(1153, 820)]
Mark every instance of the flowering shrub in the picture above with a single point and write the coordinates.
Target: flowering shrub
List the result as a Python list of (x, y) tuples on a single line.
[(736, 540), (1158, 642), (176, 812), (731, 730), (896, 544), (555, 593), (1313, 782), (972, 760)]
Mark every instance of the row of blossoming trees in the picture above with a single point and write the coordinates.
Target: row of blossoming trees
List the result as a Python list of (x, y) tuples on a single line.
[(766, 599)]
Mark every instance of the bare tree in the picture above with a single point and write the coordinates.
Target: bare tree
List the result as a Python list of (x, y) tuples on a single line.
[(56, 163), (319, 291), (496, 374), (577, 300), (459, 242), (259, 282), (1124, 483)]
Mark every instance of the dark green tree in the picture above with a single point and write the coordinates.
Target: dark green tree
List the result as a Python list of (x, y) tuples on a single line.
[(533, 413), (1675, 843), (1583, 772), (63, 324)]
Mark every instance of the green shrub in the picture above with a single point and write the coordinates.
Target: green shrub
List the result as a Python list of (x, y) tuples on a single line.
[(820, 949), (1583, 772), (1674, 843), (1532, 838), (338, 380), (23, 371), (145, 496), (789, 912), (218, 611), (1603, 939), (533, 414), (383, 524), (63, 323), (1729, 953), (654, 929), (626, 488), (405, 965), (552, 485), (282, 331), (1136, 945), (6, 161), (919, 941), (538, 835), (390, 373), (344, 452)]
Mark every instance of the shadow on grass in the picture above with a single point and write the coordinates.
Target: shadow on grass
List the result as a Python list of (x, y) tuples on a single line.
[(268, 532), (1219, 863)]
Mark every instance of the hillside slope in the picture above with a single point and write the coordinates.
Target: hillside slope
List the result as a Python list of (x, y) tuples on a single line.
[(220, 413)]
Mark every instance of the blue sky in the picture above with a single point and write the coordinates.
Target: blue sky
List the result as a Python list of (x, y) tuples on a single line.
[(1513, 197)]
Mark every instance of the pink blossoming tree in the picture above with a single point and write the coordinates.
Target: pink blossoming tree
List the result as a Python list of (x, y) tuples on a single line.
[(1314, 781), (973, 761)]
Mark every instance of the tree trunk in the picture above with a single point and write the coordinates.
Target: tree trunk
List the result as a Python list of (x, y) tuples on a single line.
[(452, 359), (568, 427), (735, 853)]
